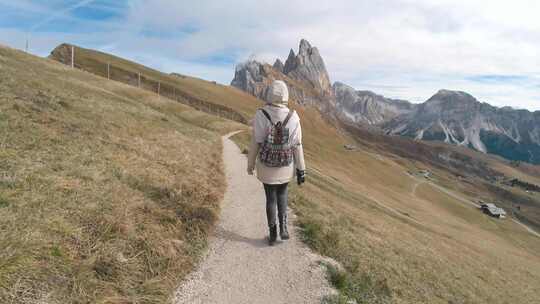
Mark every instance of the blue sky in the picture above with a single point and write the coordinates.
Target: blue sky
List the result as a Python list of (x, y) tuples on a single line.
[(404, 49)]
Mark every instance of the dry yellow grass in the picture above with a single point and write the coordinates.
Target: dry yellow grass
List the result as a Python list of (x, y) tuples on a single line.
[(107, 193)]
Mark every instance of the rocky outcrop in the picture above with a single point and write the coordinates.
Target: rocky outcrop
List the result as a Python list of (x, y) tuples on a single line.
[(367, 107), (62, 53), (305, 75), (308, 66), (278, 65), (458, 118), (253, 77)]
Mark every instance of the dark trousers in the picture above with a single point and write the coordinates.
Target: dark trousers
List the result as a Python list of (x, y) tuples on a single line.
[(276, 196)]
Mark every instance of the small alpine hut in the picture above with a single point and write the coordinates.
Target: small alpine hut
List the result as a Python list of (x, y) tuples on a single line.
[(493, 210)]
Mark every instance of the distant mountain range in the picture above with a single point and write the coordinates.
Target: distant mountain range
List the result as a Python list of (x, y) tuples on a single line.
[(451, 116), (458, 118)]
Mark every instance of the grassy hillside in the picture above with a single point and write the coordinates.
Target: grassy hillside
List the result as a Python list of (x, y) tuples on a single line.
[(107, 192), (400, 237), (464, 170), (184, 87)]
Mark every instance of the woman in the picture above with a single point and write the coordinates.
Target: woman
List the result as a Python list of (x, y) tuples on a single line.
[(276, 150)]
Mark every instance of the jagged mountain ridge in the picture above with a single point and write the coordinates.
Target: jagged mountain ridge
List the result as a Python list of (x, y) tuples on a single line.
[(451, 116), (458, 118), (366, 106), (308, 66), (305, 73)]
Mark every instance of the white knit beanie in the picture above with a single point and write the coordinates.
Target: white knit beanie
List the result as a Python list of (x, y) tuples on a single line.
[(277, 93)]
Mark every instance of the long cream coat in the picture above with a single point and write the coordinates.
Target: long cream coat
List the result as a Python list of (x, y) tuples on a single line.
[(261, 127)]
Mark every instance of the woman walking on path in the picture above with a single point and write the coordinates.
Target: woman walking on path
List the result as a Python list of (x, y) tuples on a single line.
[(276, 151)]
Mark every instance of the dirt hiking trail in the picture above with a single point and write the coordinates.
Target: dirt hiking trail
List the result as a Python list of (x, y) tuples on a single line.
[(240, 267)]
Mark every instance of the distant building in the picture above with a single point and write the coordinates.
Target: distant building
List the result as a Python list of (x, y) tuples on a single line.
[(493, 210), (425, 173)]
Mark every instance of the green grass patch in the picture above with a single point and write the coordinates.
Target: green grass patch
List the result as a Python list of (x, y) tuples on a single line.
[(4, 202), (56, 252)]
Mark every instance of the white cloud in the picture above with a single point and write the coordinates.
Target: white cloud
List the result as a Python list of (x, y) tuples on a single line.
[(60, 13), (387, 43), (402, 48)]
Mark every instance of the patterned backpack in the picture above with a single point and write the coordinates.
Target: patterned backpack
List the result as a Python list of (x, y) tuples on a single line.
[(276, 151)]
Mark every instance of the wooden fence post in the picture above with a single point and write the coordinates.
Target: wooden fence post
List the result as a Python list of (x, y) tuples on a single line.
[(108, 71), (72, 57), (158, 87), (139, 82)]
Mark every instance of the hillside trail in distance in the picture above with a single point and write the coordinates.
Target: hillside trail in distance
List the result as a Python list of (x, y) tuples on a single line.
[(240, 266)]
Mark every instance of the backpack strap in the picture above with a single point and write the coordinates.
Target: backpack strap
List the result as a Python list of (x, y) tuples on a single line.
[(267, 115), (288, 117)]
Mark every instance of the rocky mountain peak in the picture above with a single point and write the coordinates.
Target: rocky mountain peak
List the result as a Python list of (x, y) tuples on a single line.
[(250, 77), (278, 65), (448, 100), (444, 94), (308, 66), (290, 63), (304, 72), (305, 47)]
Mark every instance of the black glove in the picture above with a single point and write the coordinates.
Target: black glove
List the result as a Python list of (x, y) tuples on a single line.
[(300, 176)]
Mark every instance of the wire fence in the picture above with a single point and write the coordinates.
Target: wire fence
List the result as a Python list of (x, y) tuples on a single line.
[(165, 89)]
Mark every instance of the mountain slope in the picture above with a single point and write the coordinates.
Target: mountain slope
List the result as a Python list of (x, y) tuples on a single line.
[(367, 107), (107, 193), (192, 91), (458, 118)]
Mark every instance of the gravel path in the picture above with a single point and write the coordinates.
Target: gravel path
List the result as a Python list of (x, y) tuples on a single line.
[(240, 267)]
